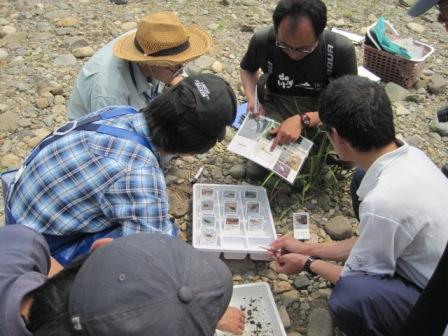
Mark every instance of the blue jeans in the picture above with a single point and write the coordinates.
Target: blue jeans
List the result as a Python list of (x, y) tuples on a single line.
[(366, 304)]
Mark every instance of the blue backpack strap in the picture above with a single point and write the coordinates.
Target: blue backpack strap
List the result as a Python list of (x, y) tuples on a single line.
[(117, 111), (109, 112), (119, 133)]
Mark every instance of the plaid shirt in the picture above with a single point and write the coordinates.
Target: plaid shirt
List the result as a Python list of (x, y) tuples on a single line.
[(88, 182)]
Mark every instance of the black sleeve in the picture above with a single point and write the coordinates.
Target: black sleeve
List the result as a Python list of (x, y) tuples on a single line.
[(345, 57), (250, 59), (427, 317)]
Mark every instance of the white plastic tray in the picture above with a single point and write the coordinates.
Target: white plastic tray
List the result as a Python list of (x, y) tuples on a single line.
[(263, 318), (234, 245)]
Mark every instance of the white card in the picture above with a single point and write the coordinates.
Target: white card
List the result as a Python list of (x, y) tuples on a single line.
[(301, 225)]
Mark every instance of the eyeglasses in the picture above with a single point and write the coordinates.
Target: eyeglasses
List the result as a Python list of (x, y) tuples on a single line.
[(301, 50)]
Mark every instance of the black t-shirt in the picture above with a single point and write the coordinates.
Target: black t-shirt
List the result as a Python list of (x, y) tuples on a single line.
[(306, 77)]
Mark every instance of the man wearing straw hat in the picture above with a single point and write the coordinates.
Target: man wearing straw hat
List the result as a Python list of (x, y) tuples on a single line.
[(134, 68)]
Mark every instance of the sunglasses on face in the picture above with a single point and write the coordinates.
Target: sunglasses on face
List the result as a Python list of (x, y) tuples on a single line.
[(301, 50)]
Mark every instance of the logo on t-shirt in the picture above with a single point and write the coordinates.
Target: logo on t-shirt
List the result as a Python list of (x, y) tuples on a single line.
[(270, 67), (203, 89), (306, 86), (284, 81)]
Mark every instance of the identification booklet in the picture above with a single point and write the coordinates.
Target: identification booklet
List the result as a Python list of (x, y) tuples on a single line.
[(253, 141)]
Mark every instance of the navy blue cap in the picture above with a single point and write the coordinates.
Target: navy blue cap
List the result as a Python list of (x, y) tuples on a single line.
[(216, 104)]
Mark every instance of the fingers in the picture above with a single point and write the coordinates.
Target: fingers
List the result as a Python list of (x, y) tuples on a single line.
[(279, 243), (281, 264), (277, 141), (100, 242)]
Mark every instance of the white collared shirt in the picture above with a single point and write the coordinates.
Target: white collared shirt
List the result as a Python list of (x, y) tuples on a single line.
[(403, 217)]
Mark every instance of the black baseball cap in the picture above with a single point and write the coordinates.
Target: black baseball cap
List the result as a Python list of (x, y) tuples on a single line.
[(421, 6), (216, 104), (149, 284)]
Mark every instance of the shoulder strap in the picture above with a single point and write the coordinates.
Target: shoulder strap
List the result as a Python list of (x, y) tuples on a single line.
[(265, 42), (86, 124), (119, 133), (107, 113)]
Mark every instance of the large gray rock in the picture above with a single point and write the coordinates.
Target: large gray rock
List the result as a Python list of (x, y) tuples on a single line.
[(418, 28), (238, 171), (65, 60), (83, 52), (441, 128), (7, 30), (199, 65), (289, 297), (339, 228), (3, 54), (19, 38), (9, 121), (4, 108), (400, 110), (320, 323), (43, 26), (302, 281), (437, 84), (10, 161), (255, 171), (217, 173), (57, 14), (241, 266), (75, 43), (396, 93)]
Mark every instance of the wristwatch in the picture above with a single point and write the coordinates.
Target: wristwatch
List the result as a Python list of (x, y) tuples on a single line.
[(307, 266), (305, 119)]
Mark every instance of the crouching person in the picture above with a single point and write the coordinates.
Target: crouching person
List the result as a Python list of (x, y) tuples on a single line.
[(101, 176), (141, 284), (403, 227)]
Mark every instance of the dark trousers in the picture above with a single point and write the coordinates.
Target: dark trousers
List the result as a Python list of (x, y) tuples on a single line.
[(365, 304)]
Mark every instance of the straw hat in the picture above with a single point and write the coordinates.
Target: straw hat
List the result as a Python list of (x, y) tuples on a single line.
[(161, 39)]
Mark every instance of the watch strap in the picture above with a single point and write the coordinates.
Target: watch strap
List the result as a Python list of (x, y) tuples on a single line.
[(305, 119), (307, 266)]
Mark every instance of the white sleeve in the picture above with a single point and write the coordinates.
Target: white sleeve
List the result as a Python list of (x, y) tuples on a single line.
[(381, 242)]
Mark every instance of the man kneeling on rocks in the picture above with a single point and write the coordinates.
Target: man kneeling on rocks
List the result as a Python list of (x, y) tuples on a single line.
[(101, 176), (403, 227), (135, 67), (142, 284)]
